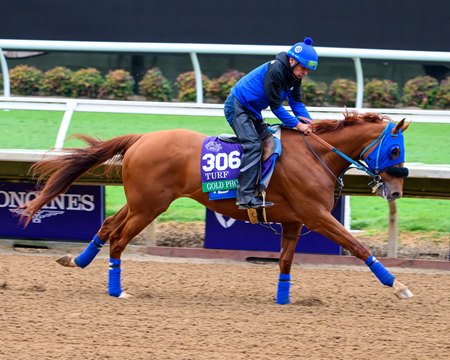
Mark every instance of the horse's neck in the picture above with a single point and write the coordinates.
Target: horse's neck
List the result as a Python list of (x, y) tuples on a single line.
[(351, 141)]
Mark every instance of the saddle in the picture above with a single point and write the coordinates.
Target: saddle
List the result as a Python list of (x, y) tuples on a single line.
[(269, 143)]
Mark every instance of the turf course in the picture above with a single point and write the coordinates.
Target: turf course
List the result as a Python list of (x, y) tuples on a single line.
[(426, 143)]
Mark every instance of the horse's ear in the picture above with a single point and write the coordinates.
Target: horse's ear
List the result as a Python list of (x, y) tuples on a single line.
[(406, 126), (400, 126)]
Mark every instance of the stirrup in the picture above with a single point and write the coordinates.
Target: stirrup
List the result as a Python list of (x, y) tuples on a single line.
[(249, 206), (258, 205)]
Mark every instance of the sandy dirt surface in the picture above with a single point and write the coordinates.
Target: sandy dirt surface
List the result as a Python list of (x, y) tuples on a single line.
[(192, 309)]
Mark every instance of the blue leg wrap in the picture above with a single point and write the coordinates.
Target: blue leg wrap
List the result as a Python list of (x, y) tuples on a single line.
[(91, 251), (380, 271), (284, 287), (114, 288)]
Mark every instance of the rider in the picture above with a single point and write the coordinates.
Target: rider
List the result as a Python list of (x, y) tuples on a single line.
[(267, 85)]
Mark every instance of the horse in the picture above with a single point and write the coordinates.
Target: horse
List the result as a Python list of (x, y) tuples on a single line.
[(159, 167)]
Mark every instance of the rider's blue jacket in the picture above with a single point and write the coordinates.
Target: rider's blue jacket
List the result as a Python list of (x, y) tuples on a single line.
[(269, 85)]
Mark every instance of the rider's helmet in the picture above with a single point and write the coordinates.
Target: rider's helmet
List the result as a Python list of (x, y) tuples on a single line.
[(304, 53)]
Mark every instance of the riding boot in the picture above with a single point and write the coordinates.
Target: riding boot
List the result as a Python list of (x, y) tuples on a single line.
[(247, 184), (250, 133)]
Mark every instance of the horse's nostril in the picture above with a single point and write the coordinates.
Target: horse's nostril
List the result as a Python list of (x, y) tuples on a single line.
[(395, 195)]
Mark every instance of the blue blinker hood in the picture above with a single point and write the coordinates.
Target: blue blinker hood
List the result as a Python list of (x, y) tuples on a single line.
[(389, 151)]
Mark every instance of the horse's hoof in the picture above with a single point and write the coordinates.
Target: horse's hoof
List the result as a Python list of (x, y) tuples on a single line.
[(67, 260), (401, 291), (124, 295)]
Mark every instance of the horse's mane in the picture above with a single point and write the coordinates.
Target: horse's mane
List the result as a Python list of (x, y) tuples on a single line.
[(350, 118)]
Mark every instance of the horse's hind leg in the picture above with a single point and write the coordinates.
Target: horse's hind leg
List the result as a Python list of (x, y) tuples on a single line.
[(134, 222), (289, 241), (96, 244)]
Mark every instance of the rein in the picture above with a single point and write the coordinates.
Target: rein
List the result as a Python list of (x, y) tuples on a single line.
[(373, 166), (356, 163), (324, 164), (374, 184)]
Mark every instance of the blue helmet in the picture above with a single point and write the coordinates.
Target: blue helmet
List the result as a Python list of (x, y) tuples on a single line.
[(304, 53)]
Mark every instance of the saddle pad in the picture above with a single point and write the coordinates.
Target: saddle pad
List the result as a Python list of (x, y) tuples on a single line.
[(220, 163)]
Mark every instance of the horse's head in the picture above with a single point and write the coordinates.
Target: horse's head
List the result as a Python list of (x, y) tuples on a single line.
[(385, 158)]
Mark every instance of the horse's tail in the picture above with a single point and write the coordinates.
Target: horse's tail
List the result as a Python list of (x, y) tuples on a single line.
[(64, 170)]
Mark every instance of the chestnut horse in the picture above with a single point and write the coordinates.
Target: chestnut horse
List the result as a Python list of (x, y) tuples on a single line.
[(161, 166)]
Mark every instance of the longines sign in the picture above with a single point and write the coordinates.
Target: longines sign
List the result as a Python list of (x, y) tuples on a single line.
[(227, 233), (75, 216)]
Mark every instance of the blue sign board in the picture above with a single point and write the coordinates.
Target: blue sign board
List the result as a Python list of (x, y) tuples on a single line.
[(227, 233), (73, 216)]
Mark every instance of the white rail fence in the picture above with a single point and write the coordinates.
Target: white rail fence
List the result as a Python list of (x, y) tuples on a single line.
[(194, 49), (69, 106)]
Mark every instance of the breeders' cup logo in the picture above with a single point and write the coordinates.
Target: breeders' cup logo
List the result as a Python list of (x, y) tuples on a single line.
[(224, 222), (298, 49), (213, 146), (41, 214), (13, 200)]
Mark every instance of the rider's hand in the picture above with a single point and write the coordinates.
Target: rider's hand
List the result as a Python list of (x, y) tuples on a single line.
[(304, 128)]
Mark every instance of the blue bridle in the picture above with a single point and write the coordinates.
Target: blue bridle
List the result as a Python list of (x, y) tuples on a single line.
[(389, 151)]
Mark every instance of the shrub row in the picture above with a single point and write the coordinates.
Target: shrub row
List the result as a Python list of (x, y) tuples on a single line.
[(423, 91), (61, 81), (117, 84)]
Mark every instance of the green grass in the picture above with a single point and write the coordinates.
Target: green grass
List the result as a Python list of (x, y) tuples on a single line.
[(23, 129), (371, 213), (29, 129), (426, 143)]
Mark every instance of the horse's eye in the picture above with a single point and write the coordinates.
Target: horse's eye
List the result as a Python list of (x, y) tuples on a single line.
[(395, 152)]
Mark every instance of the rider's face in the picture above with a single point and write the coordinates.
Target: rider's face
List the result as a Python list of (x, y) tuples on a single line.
[(300, 71)]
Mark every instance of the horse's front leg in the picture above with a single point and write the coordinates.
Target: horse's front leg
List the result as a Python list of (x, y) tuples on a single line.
[(328, 226), (289, 240)]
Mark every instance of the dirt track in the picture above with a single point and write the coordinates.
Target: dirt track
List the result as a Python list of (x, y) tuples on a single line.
[(216, 310)]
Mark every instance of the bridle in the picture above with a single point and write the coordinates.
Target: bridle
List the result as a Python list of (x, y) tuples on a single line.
[(394, 171), (377, 181)]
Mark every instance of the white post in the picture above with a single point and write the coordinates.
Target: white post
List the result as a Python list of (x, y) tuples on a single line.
[(150, 234), (359, 83), (347, 212), (392, 233), (198, 78), (6, 84), (64, 127)]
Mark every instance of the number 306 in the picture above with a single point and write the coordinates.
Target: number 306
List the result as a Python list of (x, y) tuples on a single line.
[(222, 161)]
